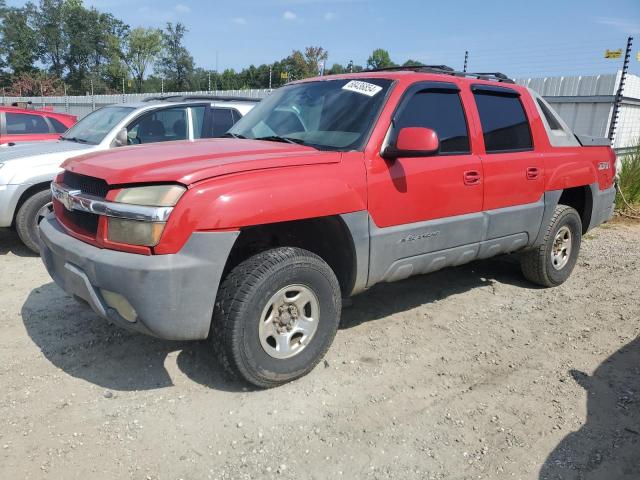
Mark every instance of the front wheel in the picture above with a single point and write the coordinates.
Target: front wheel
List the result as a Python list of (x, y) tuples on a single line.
[(276, 315), (29, 216), (551, 263)]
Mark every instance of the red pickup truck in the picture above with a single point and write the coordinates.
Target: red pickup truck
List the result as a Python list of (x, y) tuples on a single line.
[(329, 186)]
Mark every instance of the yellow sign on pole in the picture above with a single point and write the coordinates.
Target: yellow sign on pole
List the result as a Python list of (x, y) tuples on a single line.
[(613, 53), (284, 75), (638, 56)]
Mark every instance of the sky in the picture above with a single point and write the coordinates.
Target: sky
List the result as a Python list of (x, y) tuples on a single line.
[(559, 37)]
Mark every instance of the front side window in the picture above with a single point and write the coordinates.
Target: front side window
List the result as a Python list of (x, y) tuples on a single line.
[(441, 111), (25, 124), (504, 123), (93, 128), (328, 114), (164, 125)]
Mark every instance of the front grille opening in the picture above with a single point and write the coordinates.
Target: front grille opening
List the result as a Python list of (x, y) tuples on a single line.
[(83, 221), (93, 186)]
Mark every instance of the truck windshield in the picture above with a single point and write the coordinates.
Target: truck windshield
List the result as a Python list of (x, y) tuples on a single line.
[(94, 127), (328, 114)]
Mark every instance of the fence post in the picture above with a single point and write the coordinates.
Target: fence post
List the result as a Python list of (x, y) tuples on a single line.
[(66, 99)]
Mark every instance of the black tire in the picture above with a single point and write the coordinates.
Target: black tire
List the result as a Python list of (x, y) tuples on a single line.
[(242, 298), (537, 264), (27, 219)]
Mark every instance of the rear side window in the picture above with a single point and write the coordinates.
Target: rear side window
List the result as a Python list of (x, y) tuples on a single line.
[(221, 121), (58, 126), (25, 124), (552, 121), (504, 123), (441, 111)]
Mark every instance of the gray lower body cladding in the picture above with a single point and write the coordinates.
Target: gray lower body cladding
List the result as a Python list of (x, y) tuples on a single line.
[(603, 205), (173, 295), (401, 251)]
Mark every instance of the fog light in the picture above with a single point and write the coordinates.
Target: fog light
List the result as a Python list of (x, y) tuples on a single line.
[(120, 305)]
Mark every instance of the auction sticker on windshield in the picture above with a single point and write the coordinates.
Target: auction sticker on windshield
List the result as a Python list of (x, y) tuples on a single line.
[(365, 88)]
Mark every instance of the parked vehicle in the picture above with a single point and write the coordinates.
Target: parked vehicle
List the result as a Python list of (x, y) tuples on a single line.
[(26, 170), (328, 187), (18, 125)]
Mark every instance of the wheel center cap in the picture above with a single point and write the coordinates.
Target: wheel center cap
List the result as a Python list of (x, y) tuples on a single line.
[(287, 315)]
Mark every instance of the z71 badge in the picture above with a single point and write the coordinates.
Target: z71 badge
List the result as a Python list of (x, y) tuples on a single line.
[(419, 236)]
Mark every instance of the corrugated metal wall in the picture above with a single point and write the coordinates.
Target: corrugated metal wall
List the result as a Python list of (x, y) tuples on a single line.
[(83, 105), (586, 104)]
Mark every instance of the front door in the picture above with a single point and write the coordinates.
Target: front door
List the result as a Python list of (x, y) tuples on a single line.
[(423, 205)]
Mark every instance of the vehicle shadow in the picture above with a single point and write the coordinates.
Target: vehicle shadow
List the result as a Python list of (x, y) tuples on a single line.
[(388, 298), (76, 340), (608, 444), (10, 243)]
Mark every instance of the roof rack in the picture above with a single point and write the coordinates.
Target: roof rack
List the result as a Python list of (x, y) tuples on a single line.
[(446, 70), (208, 98)]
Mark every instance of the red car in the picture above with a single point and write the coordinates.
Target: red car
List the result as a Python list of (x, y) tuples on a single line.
[(18, 125), (328, 187)]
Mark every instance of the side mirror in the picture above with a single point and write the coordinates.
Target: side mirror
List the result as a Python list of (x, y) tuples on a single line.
[(413, 142), (122, 138)]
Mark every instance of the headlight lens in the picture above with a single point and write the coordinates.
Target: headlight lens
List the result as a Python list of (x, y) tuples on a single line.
[(151, 196), (135, 232)]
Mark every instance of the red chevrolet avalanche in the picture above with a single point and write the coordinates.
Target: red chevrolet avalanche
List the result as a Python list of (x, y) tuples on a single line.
[(329, 186)]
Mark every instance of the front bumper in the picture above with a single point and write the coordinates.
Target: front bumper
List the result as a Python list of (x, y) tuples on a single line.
[(173, 295)]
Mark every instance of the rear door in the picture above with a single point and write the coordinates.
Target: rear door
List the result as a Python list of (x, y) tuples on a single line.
[(513, 170), (26, 127), (220, 120)]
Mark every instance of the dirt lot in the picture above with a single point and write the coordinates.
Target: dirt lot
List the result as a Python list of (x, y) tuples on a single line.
[(467, 373)]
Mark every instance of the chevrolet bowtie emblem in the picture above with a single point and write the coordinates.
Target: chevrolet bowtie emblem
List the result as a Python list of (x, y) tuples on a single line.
[(66, 198)]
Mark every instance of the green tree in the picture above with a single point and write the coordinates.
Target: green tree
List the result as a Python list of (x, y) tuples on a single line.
[(175, 64), (412, 63), (314, 56), (19, 39), (380, 59), (53, 44), (143, 46)]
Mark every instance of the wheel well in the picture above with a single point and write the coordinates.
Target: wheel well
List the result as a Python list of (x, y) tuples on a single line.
[(579, 198), (327, 237), (38, 187)]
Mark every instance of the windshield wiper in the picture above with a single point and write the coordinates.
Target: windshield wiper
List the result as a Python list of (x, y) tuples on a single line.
[(74, 139), (277, 138), (233, 135)]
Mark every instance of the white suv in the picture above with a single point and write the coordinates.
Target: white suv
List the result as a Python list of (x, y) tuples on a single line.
[(26, 170)]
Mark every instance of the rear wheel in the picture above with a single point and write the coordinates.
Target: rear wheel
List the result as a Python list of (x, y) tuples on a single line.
[(551, 263), (276, 316), (29, 216)]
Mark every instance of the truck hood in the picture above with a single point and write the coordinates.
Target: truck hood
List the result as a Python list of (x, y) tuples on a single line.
[(190, 162)]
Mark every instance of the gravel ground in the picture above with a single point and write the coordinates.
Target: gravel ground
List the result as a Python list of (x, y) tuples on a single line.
[(467, 373)]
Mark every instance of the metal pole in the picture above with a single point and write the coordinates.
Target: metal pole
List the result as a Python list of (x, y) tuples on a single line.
[(93, 98), (209, 83), (123, 100), (618, 99), (270, 73), (466, 60), (162, 86), (66, 99)]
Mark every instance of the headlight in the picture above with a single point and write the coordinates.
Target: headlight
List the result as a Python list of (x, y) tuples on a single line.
[(135, 232), (152, 196)]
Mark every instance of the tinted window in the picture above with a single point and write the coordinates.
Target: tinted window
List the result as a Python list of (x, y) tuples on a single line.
[(95, 126), (160, 126), (221, 122), (441, 111), (197, 116), (24, 124), (552, 121), (58, 126), (504, 124)]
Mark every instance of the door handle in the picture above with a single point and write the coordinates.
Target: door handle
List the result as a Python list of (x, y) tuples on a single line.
[(532, 173), (472, 177)]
